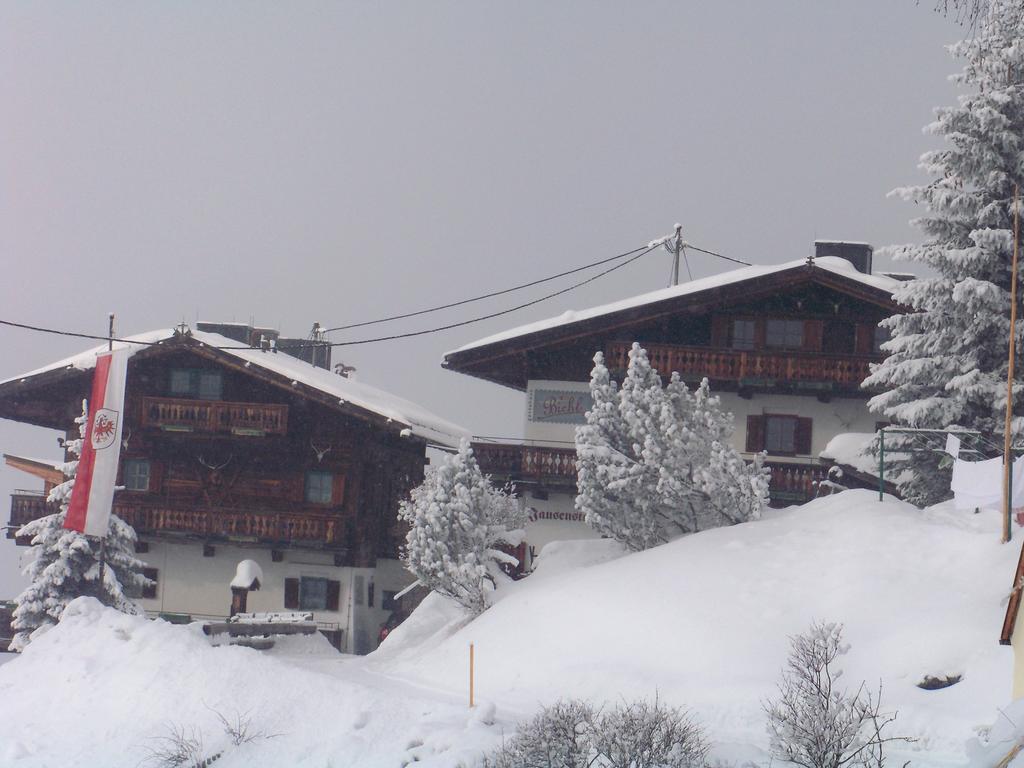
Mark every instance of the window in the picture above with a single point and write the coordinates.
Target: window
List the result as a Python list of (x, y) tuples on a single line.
[(136, 474), (784, 334), (191, 382), (312, 594), (319, 487), (780, 434), (149, 591), (387, 600), (882, 335), (742, 334)]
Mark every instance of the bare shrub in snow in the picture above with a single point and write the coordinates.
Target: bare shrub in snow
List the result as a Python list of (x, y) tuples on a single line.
[(643, 734), (66, 564), (815, 724), (456, 520), (177, 748), (657, 462), (573, 734), (558, 736)]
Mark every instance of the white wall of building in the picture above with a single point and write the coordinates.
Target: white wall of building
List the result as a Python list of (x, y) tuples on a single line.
[(190, 583), (840, 414), (553, 519)]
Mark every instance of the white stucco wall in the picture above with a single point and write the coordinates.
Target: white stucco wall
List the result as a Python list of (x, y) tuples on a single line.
[(841, 414), (192, 584)]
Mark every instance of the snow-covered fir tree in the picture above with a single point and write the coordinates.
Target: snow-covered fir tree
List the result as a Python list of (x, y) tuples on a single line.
[(656, 462), (456, 521), (66, 564), (947, 362)]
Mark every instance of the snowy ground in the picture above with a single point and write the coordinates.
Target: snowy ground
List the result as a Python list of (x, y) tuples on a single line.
[(702, 622)]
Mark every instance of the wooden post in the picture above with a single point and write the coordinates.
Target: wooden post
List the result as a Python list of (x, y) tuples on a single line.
[(881, 464), (471, 675), (1007, 491)]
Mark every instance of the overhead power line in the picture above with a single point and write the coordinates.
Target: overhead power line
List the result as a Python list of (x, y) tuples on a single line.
[(486, 295), (572, 287), (633, 255)]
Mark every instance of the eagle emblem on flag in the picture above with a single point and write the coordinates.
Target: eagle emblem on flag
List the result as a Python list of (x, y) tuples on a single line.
[(104, 428)]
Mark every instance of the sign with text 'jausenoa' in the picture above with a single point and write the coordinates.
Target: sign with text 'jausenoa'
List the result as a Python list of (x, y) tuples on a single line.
[(555, 406)]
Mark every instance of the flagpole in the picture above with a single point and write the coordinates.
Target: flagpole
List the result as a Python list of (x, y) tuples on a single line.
[(1007, 461), (103, 540)]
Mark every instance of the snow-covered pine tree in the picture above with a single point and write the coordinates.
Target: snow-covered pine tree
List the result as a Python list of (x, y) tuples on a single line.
[(66, 564), (947, 361), (616, 489), (654, 463), (456, 520)]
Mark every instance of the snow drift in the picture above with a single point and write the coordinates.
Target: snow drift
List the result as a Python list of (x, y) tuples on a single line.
[(702, 622)]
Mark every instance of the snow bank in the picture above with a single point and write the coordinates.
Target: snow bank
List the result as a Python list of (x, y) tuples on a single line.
[(704, 621), (850, 448), (100, 688)]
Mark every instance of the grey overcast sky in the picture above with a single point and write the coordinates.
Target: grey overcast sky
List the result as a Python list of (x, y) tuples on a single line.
[(299, 162)]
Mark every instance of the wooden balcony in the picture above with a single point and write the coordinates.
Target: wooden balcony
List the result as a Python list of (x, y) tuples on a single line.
[(552, 466), (175, 415), (794, 483), (755, 368), (275, 527)]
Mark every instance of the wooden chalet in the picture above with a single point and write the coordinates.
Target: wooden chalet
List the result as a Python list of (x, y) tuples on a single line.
[(785, 346), (232, 451)]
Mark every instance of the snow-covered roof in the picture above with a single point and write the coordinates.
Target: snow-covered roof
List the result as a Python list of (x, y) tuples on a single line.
[(833, 264), (418, 419)]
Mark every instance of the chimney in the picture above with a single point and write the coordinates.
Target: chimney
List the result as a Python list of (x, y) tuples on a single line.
[(858, 254)]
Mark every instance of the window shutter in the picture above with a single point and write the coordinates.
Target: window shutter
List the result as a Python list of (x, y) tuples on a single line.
[(865, 338), (812, 335), (156, 476), (755, 433), (338, 489), (802, 441), (720, 331), (291, 593), (333, 594)]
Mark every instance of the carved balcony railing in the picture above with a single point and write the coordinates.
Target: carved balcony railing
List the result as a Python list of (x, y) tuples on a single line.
[(297, 527), (756, 367), (527, 462), (213, 416), (793, 483)]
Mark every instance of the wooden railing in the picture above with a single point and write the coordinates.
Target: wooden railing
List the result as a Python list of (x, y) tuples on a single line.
[(227, 523), (214, 416), (526, 461), (843, 371), (795, 483)]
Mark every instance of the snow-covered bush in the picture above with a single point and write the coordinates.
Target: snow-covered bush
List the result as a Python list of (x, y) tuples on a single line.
[(656, 462), (66, 564), (559, 736), (573, 734), (947, 363), (456, 520), (816, 724)]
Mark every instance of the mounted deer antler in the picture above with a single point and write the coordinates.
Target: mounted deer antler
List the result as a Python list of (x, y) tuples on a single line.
[(213, 468), (125, 439), (320, 452)]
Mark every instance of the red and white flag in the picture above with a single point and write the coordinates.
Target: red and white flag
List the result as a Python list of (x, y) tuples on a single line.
[(93, 493)]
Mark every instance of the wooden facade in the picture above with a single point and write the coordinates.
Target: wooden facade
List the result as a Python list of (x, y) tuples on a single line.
[(803, 331), (216, 450)]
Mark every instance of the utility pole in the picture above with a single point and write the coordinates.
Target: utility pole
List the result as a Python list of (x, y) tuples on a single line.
[(676, 246), (1007, 458)]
